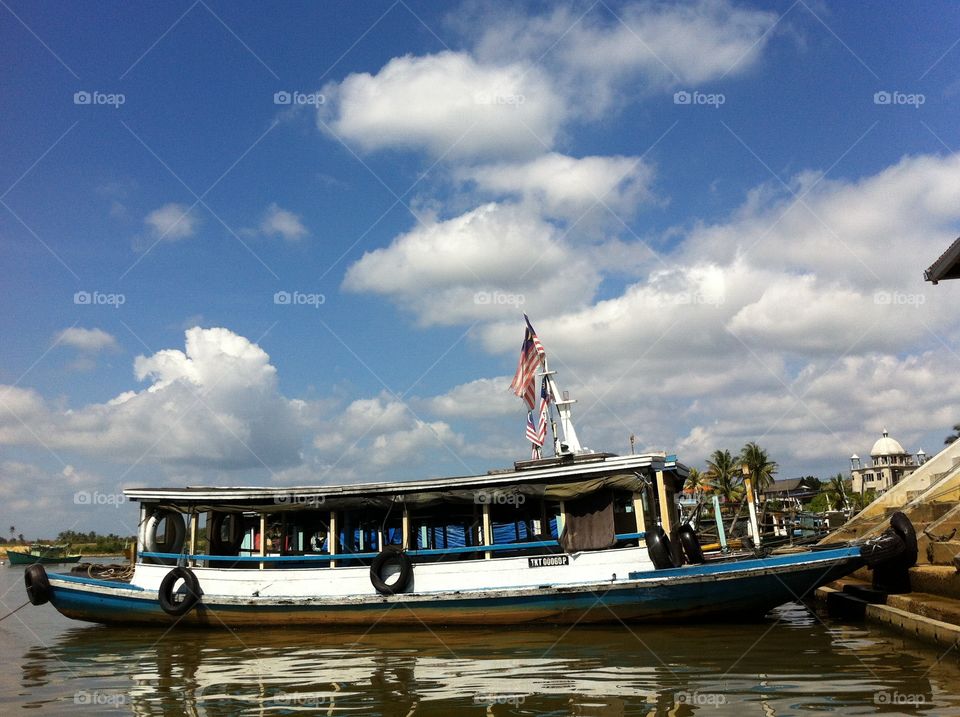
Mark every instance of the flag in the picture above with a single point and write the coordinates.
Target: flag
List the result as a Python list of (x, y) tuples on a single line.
[(544, 412), (533, 434), (531, 354)]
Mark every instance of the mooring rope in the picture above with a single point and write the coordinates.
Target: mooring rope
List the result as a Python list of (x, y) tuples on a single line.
[(13, 611)]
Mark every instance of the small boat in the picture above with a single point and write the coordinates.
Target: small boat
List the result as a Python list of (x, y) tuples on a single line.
[(42, 554), (575, 537)]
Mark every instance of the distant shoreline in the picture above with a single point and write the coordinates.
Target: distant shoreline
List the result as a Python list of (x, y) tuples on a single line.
[(3, 553)]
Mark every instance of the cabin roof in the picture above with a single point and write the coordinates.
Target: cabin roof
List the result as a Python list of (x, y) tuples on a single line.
[(559, 470), (947, 266)]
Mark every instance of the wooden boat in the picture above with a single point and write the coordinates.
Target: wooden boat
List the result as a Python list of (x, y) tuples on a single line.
[(43, 555), (579, 537)]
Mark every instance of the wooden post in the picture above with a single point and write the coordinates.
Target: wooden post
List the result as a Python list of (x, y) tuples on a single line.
[(754, 527), (638, 512), (194, 524), (334, 537), (487, 532), (263, 537), (666, 509), (721, 533)]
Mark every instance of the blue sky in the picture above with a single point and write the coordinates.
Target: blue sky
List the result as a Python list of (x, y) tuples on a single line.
[(716, 214)]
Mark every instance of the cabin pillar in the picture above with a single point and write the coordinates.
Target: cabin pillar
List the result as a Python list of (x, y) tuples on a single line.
[(263, 537), (638, 512), (487, 532), (333, 537), (667, 518), (194, 525), (405, 528)]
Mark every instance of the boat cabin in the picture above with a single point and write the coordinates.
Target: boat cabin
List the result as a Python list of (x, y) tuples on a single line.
[(545, 507)]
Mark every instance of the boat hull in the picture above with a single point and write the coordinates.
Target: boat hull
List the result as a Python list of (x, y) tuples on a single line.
[(17, 558), (738, 590)]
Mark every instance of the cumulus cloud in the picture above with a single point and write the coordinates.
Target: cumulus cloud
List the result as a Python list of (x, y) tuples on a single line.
[(282, 223), (788, 322), (567, 186), (492, 261), (636, 48), (213, 404), (172, 222), (371, 435), (87, 340), (447, 104)]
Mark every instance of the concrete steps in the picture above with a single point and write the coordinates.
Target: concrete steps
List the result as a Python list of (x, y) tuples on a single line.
[(931, 612)]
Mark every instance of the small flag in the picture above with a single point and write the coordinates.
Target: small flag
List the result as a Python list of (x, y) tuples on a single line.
[(544, 412), (531, 354), (533, 434)]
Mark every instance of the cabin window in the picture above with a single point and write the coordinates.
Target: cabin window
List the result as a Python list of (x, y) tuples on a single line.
[(624, 518), (446, 527)]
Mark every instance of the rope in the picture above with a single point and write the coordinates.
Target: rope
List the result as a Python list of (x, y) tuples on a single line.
[(13, 611)]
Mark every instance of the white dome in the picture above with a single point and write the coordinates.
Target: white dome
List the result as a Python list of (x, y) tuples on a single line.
[(887, 446)]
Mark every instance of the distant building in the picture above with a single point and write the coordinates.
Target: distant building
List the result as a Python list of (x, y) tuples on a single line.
[(889, 464), (801, 489), (946, 267)]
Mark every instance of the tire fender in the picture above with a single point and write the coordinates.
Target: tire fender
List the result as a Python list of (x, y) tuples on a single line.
[(165, 594), (658, 547), (391, 554), (37, 584)]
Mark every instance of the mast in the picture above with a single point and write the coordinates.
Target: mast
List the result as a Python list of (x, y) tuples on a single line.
[(563, 404)]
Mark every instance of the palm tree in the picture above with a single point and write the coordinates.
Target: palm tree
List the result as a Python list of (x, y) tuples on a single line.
[(953, 436), (836, 493), (695, 482), (723, 475), (759, 466)]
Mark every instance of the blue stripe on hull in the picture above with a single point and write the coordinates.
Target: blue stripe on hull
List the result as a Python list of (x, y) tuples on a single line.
[(711, 595)]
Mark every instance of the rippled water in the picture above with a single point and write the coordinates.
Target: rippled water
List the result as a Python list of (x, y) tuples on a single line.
[(791, 663)]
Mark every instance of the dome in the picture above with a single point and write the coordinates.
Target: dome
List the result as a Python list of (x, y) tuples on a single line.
[(887, 446)]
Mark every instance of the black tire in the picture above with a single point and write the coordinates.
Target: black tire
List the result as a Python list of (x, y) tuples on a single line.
[(902, 526), (691, 544), (37, 584), (882, 549), (392, 554), (191, 596), (229, 545), (658, 547)]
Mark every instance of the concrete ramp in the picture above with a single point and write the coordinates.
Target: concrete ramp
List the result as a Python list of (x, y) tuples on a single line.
[(926, 496)]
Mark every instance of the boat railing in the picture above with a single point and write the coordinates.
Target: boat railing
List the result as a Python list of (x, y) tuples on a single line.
[(285, 560)]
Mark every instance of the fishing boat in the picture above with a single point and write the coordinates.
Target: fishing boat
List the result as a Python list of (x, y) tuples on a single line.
[(42, 554), (574, 537)]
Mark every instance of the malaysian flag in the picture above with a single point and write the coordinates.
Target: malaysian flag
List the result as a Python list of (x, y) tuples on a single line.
[(533, 433), (531, 354), (544, 412)]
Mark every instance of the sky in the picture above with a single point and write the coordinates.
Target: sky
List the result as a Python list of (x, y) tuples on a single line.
[(291, 245)]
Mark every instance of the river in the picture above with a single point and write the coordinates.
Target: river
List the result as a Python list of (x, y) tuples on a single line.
[(792, 662)]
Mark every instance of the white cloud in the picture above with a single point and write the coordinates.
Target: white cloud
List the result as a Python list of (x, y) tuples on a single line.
[(447, 104), (172, 222), (214, 404), (282, 223), (371, 437), (490, 262), (568, 186), (608, 53), (88, 340)]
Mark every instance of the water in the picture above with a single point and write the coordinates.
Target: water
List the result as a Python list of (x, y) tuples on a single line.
[(791, 663)]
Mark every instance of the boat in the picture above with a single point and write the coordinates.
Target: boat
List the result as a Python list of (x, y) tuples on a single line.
[(42, 554), (574, 537)]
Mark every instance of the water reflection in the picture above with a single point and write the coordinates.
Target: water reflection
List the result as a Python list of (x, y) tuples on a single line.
[(776, 668)]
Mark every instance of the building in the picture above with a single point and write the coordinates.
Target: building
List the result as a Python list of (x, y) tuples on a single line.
[(802, 489), (888, 464), (946, 267)]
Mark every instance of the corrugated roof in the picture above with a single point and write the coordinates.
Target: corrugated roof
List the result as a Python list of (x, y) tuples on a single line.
[(947, 266)]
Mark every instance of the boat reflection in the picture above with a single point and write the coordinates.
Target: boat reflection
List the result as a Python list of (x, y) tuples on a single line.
[(783, 667)]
